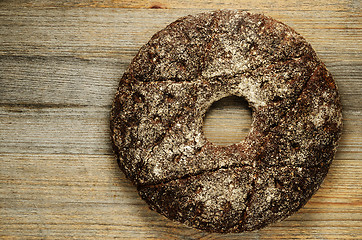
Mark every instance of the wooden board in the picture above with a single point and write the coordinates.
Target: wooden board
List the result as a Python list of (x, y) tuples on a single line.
[(60, 63)]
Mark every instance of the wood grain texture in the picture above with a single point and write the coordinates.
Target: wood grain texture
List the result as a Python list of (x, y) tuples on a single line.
[(60, 63)]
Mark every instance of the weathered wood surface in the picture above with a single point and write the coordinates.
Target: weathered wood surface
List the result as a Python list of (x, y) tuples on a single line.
[(60, 62)]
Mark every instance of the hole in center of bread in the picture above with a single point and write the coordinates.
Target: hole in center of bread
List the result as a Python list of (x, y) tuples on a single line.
[(227, 121)]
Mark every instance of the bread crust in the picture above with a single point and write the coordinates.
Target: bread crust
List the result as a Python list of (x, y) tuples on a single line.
[(162, 98)]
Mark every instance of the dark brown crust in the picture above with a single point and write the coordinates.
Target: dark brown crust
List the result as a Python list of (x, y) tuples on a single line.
[(156, 121)]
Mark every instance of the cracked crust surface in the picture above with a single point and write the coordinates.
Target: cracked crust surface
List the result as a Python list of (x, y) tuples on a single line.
[(157, 117)]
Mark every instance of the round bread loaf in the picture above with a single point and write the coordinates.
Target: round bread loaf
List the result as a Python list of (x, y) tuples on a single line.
[(158, 111)]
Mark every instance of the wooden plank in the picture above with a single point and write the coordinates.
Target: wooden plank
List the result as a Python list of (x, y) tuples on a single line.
[(295, 5), (60, 62), (65, 193), (85, 130)]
